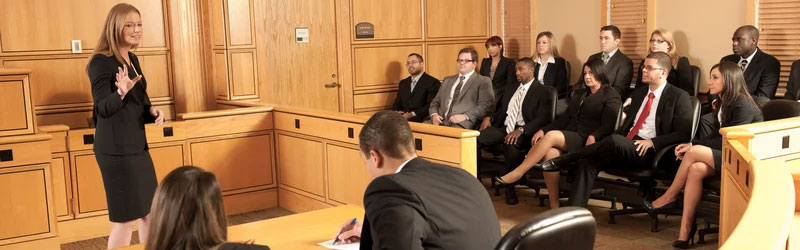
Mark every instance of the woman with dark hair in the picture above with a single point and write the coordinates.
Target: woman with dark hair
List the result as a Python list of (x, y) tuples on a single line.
[(590, 117), (121, 108), (188, 213), (703, 156), (502, 70)]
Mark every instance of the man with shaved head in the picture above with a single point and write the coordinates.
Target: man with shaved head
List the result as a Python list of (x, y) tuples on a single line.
[(761, 70)]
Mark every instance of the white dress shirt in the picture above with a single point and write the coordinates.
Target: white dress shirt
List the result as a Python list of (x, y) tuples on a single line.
[(514, 112), (648, 129), (749, 60), (403, 165)]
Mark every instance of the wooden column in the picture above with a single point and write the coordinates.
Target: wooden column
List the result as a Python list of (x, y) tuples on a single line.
[(187, 56)]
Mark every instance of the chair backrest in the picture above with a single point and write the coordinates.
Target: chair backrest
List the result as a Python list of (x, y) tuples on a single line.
[(561, 228), (620, 118), (695, 80), (569, 72), (780, 109), (695, 115), (554, 97)]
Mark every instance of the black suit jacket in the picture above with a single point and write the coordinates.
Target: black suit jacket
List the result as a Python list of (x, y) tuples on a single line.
[(680, 76), (120, 123), (428, 206), (673, 116), (420, 99), (594, 114), (555, 76), (619, 70), (762, 75), (536, 107), (793, 86), (504, 74), (741, 112)]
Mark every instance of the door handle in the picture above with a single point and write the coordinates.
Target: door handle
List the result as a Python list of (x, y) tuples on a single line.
[(332, 85)]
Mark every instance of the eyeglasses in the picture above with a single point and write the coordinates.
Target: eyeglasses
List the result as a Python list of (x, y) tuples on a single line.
[(657, 41), (412, 62), (651, 68), (462, 61)]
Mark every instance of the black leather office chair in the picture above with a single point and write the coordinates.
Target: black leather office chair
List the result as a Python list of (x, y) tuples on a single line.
[(662, 169), (562, 228), (695, 80), (780, 109)]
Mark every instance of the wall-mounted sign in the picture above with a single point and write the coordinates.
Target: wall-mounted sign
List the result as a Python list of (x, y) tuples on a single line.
[(365, 30), (301, 35)]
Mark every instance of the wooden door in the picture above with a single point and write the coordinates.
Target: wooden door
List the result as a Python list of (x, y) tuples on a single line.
[(297, 73)]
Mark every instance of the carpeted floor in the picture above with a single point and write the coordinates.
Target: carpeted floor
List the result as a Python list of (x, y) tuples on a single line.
[(630, 232)]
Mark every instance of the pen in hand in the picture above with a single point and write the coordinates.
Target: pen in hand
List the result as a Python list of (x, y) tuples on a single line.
[(348, 227)]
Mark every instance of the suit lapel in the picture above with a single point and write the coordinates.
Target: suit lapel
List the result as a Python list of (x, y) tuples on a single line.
[(416, 88), (637, 100), (467, 86), (666, 97)]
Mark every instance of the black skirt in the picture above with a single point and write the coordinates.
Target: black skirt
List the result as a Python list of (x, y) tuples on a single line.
[(130, 182), (717, 160), (573, 140)]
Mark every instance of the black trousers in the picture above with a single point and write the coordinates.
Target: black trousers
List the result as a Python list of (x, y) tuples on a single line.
[(613, 152), (514, 153)]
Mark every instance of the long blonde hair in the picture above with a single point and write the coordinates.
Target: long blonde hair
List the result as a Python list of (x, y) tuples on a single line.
[(111, 36), (670, 40), (553, 47)]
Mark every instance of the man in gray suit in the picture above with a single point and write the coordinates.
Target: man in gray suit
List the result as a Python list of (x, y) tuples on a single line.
[(465, 98)]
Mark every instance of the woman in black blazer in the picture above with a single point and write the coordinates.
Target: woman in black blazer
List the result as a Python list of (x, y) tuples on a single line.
[(703, 156), (188, 213), (121, 108), (551, 69), (501, 69), (681, 73), (590, 117)]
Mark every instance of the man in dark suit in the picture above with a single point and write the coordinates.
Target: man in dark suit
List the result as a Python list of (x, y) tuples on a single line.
[(416, 204), (793, 86), (526, 109), (761, 70), (464, 99), (659, 115), (619, 68), (416, 92)]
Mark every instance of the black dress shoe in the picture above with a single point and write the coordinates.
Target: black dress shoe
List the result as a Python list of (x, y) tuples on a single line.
[(550, 165), (511, 195), (684, 244), (656, 210)]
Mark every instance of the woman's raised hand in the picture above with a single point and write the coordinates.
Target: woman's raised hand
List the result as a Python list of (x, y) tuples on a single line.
[(124, 83)]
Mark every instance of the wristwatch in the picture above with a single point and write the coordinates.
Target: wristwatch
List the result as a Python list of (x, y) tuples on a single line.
[(521, 129)]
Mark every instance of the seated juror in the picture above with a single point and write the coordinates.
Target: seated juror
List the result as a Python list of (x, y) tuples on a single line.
[(464, 99), (188, 213), (416, 204), (416, 92)]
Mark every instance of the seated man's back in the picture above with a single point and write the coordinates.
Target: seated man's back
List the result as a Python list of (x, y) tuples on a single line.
[(431, 206)]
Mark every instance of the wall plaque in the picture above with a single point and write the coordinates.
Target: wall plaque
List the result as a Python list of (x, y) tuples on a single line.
[(365, 30)]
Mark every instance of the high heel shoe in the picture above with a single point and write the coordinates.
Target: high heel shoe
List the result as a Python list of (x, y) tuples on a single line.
[(684, 244), (511, 194), (656, 210), (500, 180)]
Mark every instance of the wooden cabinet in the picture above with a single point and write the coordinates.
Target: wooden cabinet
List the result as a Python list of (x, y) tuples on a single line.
[(347, 175), (16, 103), (62, 186), (301, 165), (240, 162), (234, 64), (89, 192)]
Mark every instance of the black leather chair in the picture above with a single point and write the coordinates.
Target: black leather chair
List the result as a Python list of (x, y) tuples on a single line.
[(780, 109), (562, 228), (643, 180), (695, 80)]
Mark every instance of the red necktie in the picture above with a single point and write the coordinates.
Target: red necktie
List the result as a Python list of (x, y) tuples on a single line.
[(642, 117)]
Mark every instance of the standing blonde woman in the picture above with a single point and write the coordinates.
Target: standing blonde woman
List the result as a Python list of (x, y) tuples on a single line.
[(121, 108), (681, 73), (551, 69)]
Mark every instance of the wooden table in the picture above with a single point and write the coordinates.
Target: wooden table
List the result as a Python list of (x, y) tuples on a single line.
[(298, 231)]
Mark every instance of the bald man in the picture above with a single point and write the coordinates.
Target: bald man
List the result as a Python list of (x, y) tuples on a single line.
[(761, 70)]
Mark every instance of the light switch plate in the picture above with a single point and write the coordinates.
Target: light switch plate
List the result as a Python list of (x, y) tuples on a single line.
[(76, 46)]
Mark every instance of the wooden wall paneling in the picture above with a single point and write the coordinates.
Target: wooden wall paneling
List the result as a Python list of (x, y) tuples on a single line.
[(298, 203), (301, 164), (58, 81), (44, 26), (375, 100), (187, 57), (221, 75), (62, 186), (441, 57), (166, 157), (382, 65), (295, 73), (250, 201), (467, 18), (27, 211), (347, 175), (87, 185), (155, 68), (73, 119), (17, 107), (240, 24), (393, 19), (344, 53), (243, 74), (217, 23), (239, 161)]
